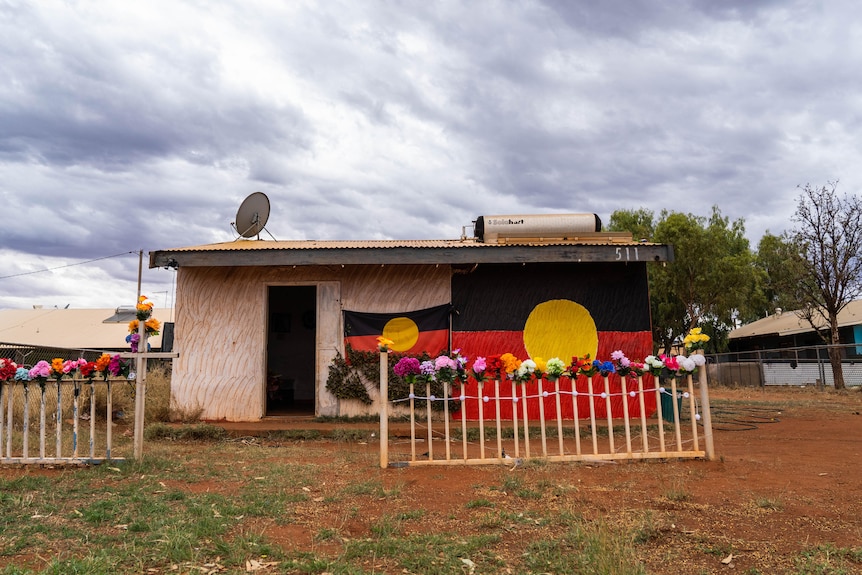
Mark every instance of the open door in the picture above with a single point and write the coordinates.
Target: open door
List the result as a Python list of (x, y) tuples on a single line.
[(290, 353)]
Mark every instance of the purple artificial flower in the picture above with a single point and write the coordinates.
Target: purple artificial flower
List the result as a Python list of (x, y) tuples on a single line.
[(406, 366), (427, 368), (115, 367)]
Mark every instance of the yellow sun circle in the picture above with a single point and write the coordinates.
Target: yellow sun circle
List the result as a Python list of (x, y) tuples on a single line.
[(560, 328), (403, 331)]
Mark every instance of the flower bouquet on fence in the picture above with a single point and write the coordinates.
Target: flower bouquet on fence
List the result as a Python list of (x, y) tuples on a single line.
[(40, 373), (143, 313), (8, 369)]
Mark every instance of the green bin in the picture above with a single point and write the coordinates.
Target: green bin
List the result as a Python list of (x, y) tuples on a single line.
[(667, 406)]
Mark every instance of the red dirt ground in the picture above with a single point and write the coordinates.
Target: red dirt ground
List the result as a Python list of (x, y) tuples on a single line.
[(785, 480)]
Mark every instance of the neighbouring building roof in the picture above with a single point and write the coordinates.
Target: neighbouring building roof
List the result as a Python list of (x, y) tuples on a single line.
[(73, 328), (789, 323), (588, 247)]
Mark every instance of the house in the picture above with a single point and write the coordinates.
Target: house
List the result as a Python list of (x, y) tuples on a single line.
[(252, 311), (73, 329), (786, 329)]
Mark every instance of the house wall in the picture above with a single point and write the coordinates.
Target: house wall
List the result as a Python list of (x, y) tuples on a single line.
[(221, 327)]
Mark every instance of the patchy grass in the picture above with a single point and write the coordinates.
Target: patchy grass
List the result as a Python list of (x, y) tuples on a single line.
[(200, 502)]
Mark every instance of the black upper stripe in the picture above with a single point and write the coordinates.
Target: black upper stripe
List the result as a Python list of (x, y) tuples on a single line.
[(501, 297)]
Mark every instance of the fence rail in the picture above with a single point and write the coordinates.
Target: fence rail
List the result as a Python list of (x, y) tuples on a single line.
[(593, 432), (55, 408), (15, 444)]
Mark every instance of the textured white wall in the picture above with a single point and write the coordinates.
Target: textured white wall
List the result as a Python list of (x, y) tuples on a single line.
[(221, 327)]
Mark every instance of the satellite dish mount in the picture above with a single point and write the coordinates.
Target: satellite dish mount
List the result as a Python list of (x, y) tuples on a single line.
[(252, 215)]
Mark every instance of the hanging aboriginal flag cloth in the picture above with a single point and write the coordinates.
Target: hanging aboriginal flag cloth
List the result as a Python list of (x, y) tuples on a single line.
[(414, 332)]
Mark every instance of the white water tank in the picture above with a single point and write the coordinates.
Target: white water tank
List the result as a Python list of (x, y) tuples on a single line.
[(497, 229)]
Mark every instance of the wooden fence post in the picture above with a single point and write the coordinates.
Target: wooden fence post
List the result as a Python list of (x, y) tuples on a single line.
[(707, 413), (384, 409), (140, 388)]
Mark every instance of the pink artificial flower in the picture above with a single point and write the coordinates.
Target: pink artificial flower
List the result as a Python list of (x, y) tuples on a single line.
[(479, 365), (41, 369), (670, 362), (445, 361)]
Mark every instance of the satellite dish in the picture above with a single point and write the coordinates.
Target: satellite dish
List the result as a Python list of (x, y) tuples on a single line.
[(252, 215)]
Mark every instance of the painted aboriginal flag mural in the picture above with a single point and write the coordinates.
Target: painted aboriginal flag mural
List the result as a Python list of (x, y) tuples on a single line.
[(553, 310), (414, 332)]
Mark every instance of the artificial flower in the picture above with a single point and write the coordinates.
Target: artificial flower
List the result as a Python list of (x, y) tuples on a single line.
[(525, 371), (133, 339), (118, 367), (554, 368), (605, 367), (494, 367), (541, 364), (654, 364), (143, 309), (670, 362), (637, 368), (384, 343), (583, 366), (407, 368), (151, 326), (479, 365), (8, 369), (88, 370), (446, 369), (510, 363), (102, 362), (427, 371), (687, 363), (41, 372), (695, 339), (622, 363)]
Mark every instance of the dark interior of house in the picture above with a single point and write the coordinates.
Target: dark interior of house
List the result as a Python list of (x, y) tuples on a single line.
[(291, 335)]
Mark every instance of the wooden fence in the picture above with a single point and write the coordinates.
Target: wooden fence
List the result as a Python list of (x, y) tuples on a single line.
[(56, 409), (682, 427)]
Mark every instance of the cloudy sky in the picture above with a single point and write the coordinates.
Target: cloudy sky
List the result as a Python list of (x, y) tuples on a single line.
[(128, 126)]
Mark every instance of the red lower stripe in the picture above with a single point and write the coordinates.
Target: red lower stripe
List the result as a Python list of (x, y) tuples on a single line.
[(432, 342)]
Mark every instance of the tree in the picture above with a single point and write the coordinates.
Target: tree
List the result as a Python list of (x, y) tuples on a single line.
[(829, 235), (712, 280), (781, 269), (639, 222)]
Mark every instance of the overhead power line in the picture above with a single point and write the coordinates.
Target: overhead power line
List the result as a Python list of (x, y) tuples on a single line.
[(65, 266)]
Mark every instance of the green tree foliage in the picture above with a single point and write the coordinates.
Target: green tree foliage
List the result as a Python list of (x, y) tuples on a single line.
[(712, 281), (780, 270), (829, 236), (639, 222)]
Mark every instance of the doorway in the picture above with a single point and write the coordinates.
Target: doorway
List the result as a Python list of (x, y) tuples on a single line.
[(290, 350)]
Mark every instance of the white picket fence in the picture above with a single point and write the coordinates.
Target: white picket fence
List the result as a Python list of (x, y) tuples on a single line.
[(687, 434), (56, 407)]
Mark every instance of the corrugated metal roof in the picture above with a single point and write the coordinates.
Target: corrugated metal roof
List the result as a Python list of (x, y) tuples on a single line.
[(70, 328), (789, 323), (244, 244), (587, 247)]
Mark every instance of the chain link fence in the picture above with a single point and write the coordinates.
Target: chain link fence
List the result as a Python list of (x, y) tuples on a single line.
[(786, 366)]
